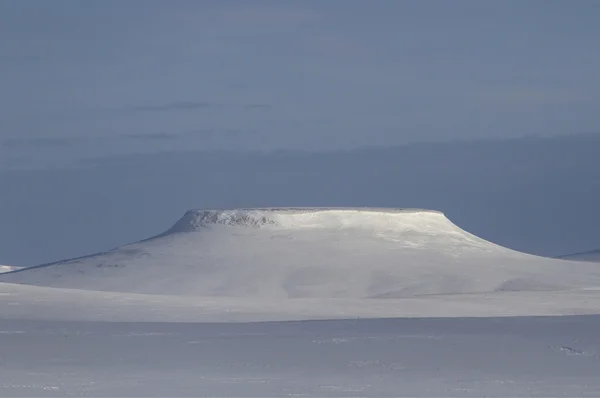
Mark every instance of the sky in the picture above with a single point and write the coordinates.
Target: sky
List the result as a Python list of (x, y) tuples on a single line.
[(105, 77), (118, 116)]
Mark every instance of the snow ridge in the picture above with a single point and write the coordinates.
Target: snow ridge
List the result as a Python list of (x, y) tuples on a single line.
[(194, 220), (589, 256), (197, 219)]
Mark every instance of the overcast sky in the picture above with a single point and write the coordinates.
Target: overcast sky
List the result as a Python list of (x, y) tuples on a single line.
[(95, 78), (83, 79)]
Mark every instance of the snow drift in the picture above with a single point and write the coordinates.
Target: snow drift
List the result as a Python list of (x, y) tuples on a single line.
[(312, 253)]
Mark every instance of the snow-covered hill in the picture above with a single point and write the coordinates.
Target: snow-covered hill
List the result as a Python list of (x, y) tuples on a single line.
[(590, 256), (349, 253)]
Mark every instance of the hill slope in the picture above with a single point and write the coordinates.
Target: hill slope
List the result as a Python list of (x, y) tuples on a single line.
[(312, 253)]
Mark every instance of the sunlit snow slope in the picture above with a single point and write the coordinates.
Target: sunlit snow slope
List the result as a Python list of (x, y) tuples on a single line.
[(312, 253), (8, 268)]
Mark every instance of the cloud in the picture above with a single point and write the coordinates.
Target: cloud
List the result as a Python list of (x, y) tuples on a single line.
[(151, 136), (65, 141), (62, 142), (196, 105), (218, 132), (39, 142), (162, 136), (175, 106)]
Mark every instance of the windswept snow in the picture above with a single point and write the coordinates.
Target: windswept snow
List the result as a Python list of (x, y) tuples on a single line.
[(35, 302), (464, 357), (347, 253)]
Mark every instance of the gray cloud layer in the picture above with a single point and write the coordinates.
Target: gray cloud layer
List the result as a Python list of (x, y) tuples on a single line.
[(69, 141), (39, 142), (197, 105), (174, 106)]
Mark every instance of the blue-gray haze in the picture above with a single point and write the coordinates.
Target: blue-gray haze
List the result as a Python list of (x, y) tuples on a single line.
[(110, 79)]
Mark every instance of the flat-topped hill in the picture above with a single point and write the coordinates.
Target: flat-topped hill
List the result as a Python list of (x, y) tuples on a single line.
[(311, 253)]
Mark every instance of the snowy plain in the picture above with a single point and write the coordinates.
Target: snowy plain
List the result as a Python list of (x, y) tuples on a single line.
[(303, 302), (522, 356)]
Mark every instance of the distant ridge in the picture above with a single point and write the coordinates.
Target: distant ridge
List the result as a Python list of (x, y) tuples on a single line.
[(280, 216), (589, 256)]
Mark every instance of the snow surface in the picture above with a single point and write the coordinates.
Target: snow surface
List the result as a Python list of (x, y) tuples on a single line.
[(437, 357), (303, 302), (312, 253), (34, 302), (590, 256)]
